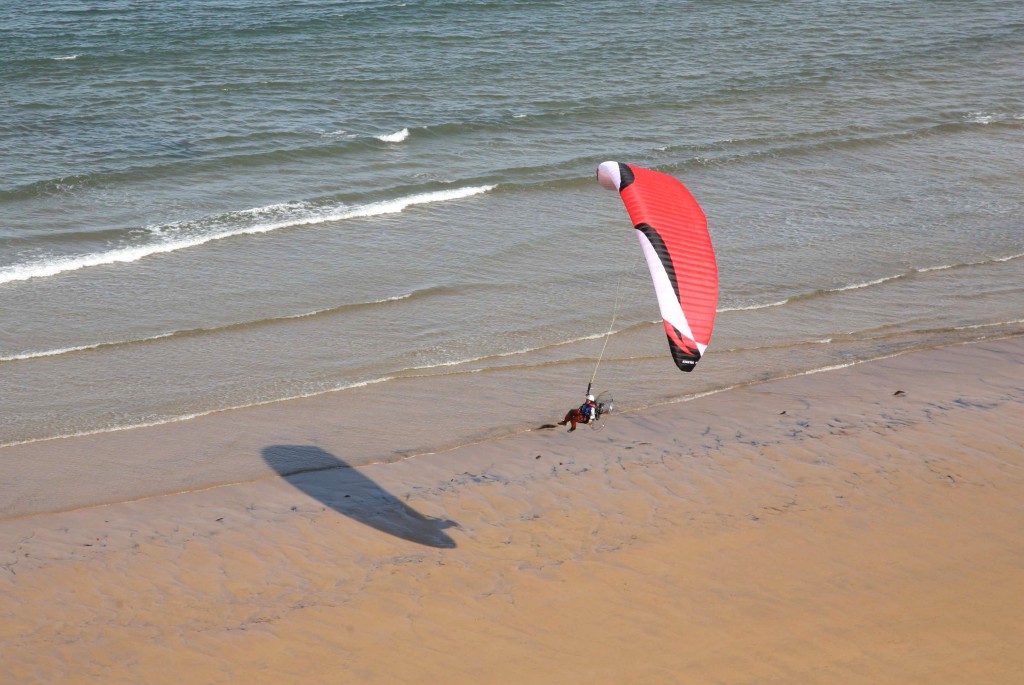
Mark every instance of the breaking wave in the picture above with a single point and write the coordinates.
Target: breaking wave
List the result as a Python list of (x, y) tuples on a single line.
[(182, 235)]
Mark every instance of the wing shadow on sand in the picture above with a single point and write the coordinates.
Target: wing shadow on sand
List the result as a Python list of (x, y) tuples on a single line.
[(334, 483)]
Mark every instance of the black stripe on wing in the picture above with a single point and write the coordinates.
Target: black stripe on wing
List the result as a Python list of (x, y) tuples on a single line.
[(659, 247), (685, 358)]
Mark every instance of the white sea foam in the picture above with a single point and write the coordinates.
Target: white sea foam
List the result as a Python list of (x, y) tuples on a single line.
[(991, 117), (78, 348), (113, 343), (868, 284), (512, 353), (64, 59), (196, 415), (290, 215), (945, 267), (753, 306), (49, 353), (942, 267), (981, 117), (834, 367), (317, 312), (1008, 259), (396, 137), (989, 325)]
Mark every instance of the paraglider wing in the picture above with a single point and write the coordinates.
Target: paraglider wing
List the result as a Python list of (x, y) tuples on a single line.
[(673, 233)]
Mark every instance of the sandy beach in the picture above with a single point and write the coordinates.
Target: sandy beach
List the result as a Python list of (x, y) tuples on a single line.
[(858, 525)]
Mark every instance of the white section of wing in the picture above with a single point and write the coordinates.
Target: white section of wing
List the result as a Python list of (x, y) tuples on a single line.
[(608, 175), (671, 310)]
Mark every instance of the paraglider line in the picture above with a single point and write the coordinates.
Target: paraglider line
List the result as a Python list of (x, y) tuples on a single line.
[(615, 314)]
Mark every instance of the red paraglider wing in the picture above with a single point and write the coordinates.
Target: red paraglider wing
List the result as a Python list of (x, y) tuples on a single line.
[(673, 233)]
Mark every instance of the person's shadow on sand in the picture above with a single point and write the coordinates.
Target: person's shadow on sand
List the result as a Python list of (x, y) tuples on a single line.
[(334, 483)]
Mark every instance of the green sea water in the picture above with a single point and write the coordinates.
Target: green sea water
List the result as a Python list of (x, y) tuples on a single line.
[(206, 206)]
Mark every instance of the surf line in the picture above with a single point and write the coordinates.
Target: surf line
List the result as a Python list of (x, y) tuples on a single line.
[(46, 267)]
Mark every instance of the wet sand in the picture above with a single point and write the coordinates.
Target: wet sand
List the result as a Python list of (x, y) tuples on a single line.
[(861, 525)]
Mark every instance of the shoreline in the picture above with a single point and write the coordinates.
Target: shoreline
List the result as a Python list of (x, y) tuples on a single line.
[(825, 528), (217, 449)]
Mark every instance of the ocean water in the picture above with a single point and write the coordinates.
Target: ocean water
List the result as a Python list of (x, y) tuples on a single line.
[(208, 206)]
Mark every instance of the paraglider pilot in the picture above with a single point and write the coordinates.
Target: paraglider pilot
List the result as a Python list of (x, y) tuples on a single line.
[(586, 413)]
